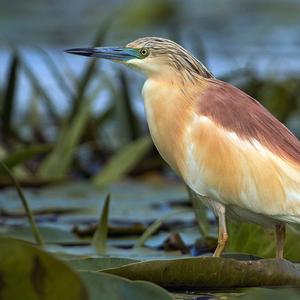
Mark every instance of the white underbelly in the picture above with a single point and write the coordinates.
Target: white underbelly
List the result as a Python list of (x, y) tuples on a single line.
[(235, 212), (247, 206)]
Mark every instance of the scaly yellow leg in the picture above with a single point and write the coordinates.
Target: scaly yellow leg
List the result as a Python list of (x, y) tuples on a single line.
[(280, 238), (223, 235)]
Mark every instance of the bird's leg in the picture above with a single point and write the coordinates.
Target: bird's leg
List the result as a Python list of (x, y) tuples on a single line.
[(280, 237), (223, 235)]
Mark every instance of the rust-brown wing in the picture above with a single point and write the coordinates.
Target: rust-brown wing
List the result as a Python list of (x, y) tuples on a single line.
[(237, 112)]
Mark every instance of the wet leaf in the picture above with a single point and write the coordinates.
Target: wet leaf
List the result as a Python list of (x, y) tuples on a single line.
[(105, 286), (99, 263), (211, 272), (123, 161), (28, 273)]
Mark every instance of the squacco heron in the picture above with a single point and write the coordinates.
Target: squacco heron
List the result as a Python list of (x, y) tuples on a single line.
[(232, 153)]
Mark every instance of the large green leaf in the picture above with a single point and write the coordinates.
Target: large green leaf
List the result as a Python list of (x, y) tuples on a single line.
[(123, 161), (28, 273), (254, 239), (211, 272), (109, 287)]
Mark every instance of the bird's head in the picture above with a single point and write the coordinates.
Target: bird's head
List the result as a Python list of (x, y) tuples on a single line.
[(151, 55)]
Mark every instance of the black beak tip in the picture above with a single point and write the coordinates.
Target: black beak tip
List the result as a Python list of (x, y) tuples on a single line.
[(80, 51)]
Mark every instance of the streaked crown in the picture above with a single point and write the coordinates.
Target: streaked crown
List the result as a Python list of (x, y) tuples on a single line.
[(171, 53)]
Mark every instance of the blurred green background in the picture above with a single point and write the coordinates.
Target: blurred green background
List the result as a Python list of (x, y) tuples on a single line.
[(65, 117)]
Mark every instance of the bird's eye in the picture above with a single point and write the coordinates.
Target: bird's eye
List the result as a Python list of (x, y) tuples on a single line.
[(144, 52)]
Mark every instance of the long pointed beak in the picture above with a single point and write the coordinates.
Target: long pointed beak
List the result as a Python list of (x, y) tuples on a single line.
[(112, 53)]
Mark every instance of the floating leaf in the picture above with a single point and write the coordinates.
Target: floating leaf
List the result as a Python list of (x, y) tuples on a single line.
[(123, 161), (50, 235), (99, 263), (104, 286), (211, 272), (28, 273)]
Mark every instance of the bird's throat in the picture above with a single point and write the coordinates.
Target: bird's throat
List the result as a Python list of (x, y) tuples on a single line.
[(167, 113)]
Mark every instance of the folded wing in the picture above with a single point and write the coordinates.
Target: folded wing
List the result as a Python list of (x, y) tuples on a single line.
[(245, 156)]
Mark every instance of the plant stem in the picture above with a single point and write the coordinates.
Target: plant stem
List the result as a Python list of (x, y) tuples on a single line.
[(35, 231)]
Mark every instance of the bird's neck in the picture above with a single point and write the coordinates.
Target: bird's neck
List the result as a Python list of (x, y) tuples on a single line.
[(168, 105), (168, 86)]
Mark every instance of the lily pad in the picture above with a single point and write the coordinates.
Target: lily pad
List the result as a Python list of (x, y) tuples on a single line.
[(29, 273), (145, 197), (99, 263), (50, 235), (105, 286), (211, 272)]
